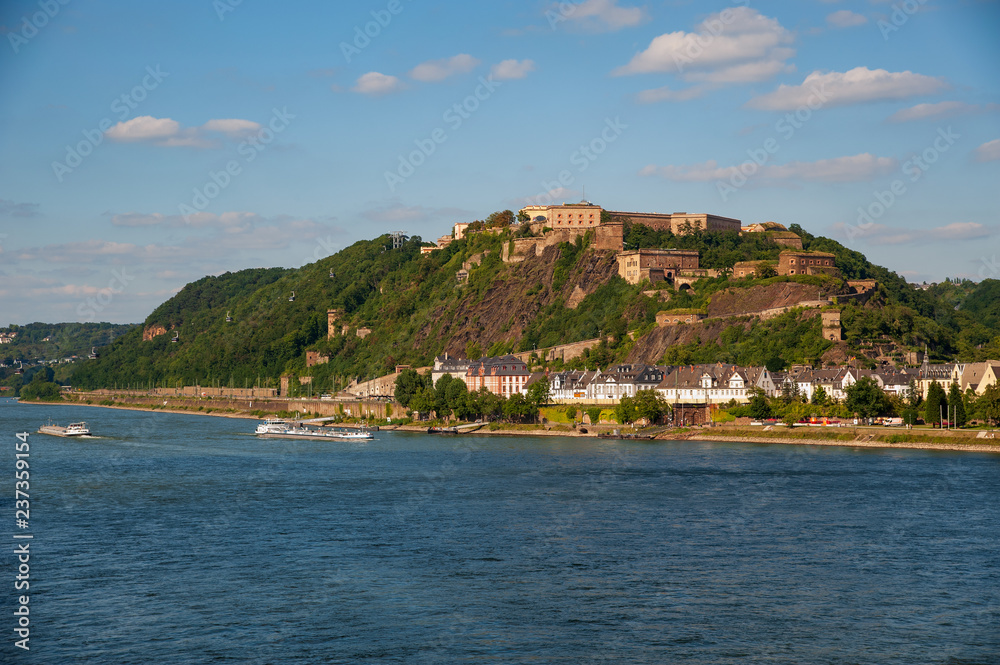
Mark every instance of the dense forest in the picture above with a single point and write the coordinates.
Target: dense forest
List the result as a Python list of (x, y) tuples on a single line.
[(413, 306), (52, 343)]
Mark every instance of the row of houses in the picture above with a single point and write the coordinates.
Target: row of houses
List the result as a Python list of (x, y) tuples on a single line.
[(706, 384)]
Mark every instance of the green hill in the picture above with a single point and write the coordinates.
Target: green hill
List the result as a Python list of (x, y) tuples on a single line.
[(416, 307)]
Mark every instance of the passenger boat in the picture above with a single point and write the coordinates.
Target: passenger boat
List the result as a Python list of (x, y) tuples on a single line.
[(73, 429), (280, 428)]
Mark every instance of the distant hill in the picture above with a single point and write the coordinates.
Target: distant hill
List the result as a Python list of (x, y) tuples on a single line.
[(397, 306), (55, 341), (983, 303), (58, 345)]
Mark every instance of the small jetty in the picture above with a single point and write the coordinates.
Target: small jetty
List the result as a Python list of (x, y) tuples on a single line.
[(455, 429), (617, 434), (73, 429)]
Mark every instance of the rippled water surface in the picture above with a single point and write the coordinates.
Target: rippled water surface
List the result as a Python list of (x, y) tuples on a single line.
[(184, 539)]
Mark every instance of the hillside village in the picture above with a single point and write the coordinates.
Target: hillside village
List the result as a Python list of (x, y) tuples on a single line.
[(695, 385), (598, 306)]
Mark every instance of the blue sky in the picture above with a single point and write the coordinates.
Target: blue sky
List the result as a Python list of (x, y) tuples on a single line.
[(145, 145)]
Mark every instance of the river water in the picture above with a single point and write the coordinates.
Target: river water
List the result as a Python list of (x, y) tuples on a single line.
[(185, 539)]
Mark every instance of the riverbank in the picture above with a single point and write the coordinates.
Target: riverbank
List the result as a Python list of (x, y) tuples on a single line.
[(852, 438), (845, 437)]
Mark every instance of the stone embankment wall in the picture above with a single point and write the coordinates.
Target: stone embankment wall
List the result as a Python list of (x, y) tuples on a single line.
[(326, 407), (565, 351), (525, 247), (383, 386)]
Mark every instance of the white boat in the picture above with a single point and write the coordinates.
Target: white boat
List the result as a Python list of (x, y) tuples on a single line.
[(279, 428), (73, 429)]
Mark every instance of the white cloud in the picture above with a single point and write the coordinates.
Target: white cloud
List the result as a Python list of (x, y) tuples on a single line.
[(884, 234), (963, 231), (736, 45), (169, 133), (144, 128), (512, 69), (137, 219), (852, 168), (211, 236), (376, 83), (232, 126), (49, 281), (228, 222), (939, 110), (12, 209), (989, 151), (434, 71), (845, 18), (839, 169), (596, 15), (857, 86)]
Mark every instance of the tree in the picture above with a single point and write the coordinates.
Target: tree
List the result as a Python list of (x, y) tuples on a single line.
[(523, 217), (820, 398), (760, 407), (407, 384), (442, 404), (594, 413), (571, 412), (913, 396), (423, 401), (538, 393), (516, 407), (41, 389), (764, 270), (651, 405), (489, 405), (866, 398), (625, 411), (789, 390), (457, 397), (957, 406), (500, 219), (989, 404), (935, 404)]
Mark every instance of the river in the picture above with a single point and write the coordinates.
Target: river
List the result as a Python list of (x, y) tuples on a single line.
[(175, 538)]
